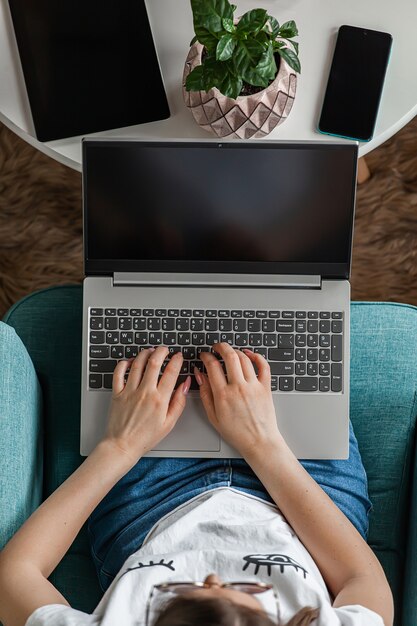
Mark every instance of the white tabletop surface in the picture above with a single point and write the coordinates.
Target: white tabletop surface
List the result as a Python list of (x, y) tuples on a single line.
[(171, 21)]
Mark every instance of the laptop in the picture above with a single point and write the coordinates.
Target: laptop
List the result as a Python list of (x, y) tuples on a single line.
[(188, 243)]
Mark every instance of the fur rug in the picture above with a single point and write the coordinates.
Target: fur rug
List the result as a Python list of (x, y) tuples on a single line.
[(41, 223)]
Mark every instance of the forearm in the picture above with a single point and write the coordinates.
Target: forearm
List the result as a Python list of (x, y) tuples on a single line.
[(47, 535), (338, 549)]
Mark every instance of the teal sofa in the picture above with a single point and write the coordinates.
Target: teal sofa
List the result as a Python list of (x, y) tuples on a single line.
[(383, 411)]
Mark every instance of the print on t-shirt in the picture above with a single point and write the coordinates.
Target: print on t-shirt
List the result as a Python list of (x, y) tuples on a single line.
[(141, 565), (268, 560)]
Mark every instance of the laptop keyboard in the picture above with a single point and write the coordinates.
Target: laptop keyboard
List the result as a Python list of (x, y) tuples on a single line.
[(304, 348)]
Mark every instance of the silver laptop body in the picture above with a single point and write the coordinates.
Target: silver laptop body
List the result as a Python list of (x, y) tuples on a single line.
[(209, 232)]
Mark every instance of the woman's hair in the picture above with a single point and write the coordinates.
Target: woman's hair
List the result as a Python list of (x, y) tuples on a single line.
[(181, 611)]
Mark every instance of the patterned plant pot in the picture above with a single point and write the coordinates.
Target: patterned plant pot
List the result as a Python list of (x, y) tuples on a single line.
[(255, 115)]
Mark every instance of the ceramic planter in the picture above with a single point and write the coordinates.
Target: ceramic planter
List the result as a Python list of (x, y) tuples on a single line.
[(255, 115)]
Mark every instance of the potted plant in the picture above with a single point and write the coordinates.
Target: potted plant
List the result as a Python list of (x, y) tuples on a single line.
[(240, 75)]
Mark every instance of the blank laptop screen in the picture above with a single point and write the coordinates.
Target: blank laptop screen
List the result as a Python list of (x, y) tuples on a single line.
[(231, 207)]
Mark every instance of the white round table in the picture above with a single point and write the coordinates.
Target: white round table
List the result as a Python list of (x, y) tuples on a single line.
[(171, 21)]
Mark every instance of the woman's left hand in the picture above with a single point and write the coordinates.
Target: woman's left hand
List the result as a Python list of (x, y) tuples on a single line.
[(143, 411)]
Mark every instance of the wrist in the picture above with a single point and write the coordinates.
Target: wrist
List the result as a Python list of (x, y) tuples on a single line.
[(119, 459), (262, 452)]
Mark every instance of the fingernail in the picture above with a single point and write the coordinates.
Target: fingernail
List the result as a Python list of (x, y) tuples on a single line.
[(186, 387), (198, 376), (246, 350), (151, 349)]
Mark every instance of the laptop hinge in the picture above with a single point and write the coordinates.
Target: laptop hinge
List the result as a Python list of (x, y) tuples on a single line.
[(157, 279)]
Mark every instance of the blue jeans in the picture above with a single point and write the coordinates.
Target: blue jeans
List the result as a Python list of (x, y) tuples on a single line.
[(156, 486)]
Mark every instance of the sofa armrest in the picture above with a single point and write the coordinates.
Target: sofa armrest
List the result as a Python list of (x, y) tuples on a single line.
[(410, 578), (21, 449)]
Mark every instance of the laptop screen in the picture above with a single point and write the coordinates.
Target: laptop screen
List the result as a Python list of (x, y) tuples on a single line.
[(255, 207)]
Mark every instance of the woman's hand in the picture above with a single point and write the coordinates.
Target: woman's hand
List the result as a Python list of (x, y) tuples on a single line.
[(240, 408), (143, 411)]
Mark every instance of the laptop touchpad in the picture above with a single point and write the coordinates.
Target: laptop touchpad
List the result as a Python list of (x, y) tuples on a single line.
[(193, 431)]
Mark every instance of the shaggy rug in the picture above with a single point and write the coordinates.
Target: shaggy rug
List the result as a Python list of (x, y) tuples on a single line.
[(41, 224)]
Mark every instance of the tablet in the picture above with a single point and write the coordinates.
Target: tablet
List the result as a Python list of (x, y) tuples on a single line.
[(89, 65)]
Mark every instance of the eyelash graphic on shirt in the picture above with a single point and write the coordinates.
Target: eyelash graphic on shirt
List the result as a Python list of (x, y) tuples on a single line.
[(151, 564), (268, 560)]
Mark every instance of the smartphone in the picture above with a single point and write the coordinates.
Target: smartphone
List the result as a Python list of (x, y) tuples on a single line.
[(356, 79)]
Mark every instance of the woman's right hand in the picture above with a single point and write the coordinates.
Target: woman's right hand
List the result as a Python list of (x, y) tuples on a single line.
[(240, 407)]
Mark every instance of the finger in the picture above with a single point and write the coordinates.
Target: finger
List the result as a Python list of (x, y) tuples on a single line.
[(137, 368), (206, 394), (247, 367), (178, 402), (119, 376), (214, 370), (262, 365), (171, 373), (232, 362), (153, 366)]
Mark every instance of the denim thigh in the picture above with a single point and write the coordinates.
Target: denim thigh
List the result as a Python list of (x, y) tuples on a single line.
[(156, 486)]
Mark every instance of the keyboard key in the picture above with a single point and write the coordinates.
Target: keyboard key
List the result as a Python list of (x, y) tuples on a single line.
[(173, 350), (236, 313), (337, 326), (126, 338), (141, 339), (273, 314), (255, 339), (278, 354), (188, 353), (202, 349), (198, 339), (312, 341), (336, 377), (274, 383), (300, 341), (312, 354), (224, 313), (139, 323), (324, 384), (110, 312), (324, 354), (154, 323), (226, 338), (102, 366), (131, 352), (261, 314), (99, 352), (270, 339), (96, 312), (286, 384), (254, 326), (324, 341), (122, 312), (324, 369), (300, 369), (281, 369), (160, 312), (300, 315), (198, 313), (186, 312), (337, 347), (211, 313), (96, 323), (211, 325), (241, 339), (337, 315), (262, 351), (95, 381), (169, 339), (225, 325), (287, 315), (249, 314), (168, 323), (155, 339), (183, 324), (108, 381), (312, 326), (135, 312), (312, 369), (312, 315), (306, 384), (148, 312), (196, 325), (125, 323), (300, 354), (184, 339), (112, 337), (285, 341), (117, 352), (173, 312), (110, 323), (285, 326), (212, 338), (268, 326), (324, 326), (239, 325), (184, 368), (324, 315)]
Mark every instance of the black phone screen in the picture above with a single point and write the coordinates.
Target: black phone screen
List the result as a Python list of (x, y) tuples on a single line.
[(355, 83)]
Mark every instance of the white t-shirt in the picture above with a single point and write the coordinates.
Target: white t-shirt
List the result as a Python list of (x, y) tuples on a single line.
[(223, 531)]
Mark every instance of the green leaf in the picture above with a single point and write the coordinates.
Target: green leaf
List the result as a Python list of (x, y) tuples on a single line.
[(206, 38), (194, 81), (291, 58), (252, 77), (247, 55), (231, 86), (209, 14), (274, 26), (228, 25), (234, 7), (288, 30), (267, 67), (214, 73), (295, 46), (252, 22), (278, 44), (225, 47), (193, 40)]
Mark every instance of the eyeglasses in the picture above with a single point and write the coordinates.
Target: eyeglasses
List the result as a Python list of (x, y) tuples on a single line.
[(182, 588)]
